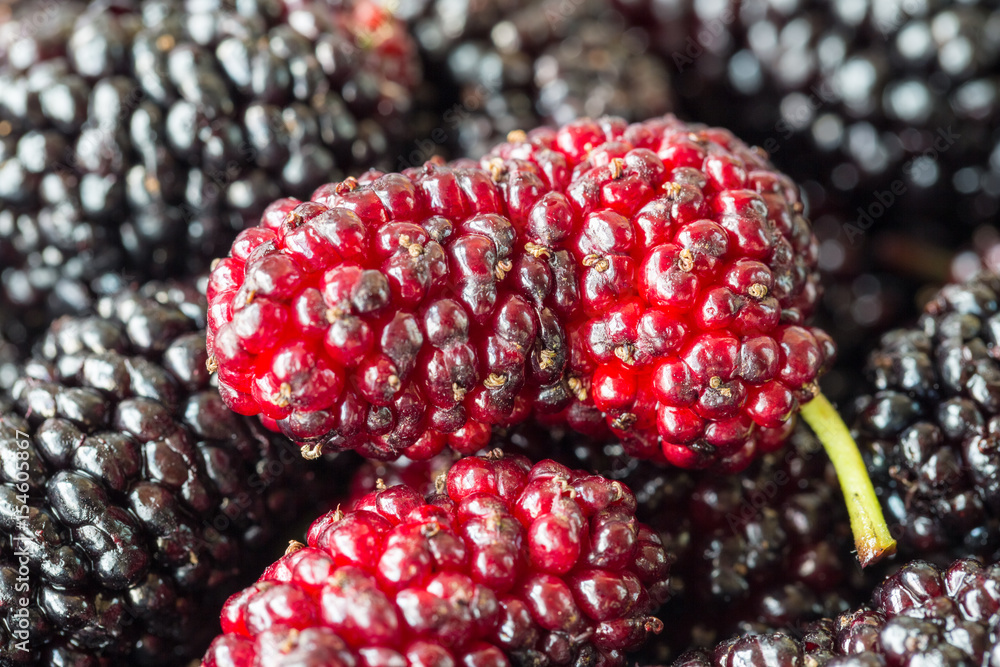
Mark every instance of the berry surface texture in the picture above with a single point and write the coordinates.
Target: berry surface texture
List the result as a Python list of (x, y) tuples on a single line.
[(652, 279)]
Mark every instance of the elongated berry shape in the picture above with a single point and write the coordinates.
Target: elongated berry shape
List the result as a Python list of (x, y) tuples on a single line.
[(506, 563), (655, 279), (929, 419)]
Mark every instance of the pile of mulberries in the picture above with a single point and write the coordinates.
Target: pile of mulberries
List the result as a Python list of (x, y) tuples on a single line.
[(142, 136)]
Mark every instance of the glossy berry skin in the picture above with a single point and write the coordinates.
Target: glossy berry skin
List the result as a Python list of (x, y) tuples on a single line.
[(506, 563), (655, 279), (887, 100), (146, 498), (143, 138), (928, 429), (771, 546), (921, 615), (529, 70)]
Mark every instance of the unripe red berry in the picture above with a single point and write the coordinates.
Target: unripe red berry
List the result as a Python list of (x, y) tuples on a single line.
[(503, 564), (653, 279)]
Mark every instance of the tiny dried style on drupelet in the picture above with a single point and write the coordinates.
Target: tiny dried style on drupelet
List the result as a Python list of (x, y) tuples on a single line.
[(654, 279), (505, 563)]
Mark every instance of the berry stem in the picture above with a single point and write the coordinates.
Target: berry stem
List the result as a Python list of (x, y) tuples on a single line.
[(871, 534)]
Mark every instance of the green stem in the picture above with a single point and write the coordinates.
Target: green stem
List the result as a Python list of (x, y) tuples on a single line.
[(871, 534)]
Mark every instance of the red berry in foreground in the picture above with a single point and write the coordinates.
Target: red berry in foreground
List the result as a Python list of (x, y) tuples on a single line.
[(654, 278), (505, 564)]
